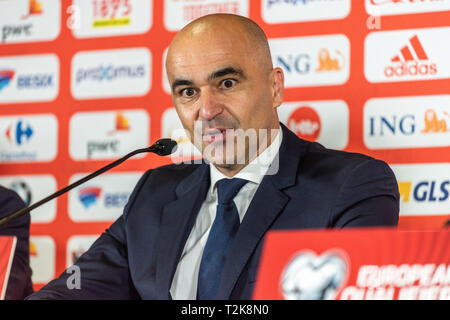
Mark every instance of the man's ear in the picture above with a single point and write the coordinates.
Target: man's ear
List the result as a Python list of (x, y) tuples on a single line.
[(277, 82)]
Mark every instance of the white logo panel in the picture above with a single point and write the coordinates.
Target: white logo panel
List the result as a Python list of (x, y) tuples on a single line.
[(111, 73), (103, 198), (29, 21), (276, 11), (42, 258), (407, 122), (173, 129), (178, 13), (394, 7), (407, 55), (424, 188), (108, 134), (111, 18), (28, 138), (29, 78), (312, 61), (326, 122), (77, 245), (33, 188)]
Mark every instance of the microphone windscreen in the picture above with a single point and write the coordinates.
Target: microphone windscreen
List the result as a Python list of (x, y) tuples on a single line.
[(166, 147)]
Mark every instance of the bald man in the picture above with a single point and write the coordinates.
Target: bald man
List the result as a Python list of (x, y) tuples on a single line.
[(195, 231)]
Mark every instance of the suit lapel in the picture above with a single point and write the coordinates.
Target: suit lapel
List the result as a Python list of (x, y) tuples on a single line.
[(177, 220), (266, 206)]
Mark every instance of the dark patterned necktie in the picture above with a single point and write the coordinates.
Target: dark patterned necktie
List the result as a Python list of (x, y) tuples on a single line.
[(220, 238)]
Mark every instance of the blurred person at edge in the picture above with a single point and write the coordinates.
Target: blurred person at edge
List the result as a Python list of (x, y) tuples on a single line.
[(168, 243), (19, 282)]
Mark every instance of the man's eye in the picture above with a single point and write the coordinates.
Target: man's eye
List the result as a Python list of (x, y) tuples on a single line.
[(228, 83), (188, 92)]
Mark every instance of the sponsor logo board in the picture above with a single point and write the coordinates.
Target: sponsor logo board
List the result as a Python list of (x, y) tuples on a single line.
[(33, 188), (407, 55), (42, 258), (394, 7), (111, 73), (312, 61), (100, 18), (178, 13), (77, 245), (29, 78), (407, 122), (326, 122), (103, 198), (28, 138), (29, 20), (108, 134), (280, 11)]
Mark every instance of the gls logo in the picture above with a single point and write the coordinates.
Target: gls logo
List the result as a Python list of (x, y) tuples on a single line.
[(424, 188), (425, 191)]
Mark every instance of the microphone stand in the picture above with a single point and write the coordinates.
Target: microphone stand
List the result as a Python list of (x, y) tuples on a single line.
[(158, 148)]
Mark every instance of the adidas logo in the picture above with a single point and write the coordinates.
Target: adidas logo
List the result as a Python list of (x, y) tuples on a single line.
[(412, 60)]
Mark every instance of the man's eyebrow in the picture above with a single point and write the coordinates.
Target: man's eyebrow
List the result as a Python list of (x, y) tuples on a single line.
[(181, 82), (226, 71)]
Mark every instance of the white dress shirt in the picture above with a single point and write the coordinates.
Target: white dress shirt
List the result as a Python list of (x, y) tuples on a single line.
[(184, 282)]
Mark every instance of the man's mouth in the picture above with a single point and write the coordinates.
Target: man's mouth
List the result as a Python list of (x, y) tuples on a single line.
[(215, 134)]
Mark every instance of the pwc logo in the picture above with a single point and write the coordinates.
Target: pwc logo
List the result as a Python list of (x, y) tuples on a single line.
[(407, 122), (103, 199), (29, 21), (108, 134), (412, 60), (406, 55), (325, 121), (424, 188)]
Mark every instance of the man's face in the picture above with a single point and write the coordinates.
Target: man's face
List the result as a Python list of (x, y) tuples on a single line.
[(218, 87)]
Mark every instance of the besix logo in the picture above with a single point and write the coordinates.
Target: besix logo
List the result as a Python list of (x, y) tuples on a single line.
[(103, 199), (5, 78)]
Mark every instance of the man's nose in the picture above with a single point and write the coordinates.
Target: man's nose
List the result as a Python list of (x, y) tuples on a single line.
[(210, 106)]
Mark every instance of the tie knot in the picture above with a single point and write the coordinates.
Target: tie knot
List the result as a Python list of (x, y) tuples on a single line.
[(227, 189)]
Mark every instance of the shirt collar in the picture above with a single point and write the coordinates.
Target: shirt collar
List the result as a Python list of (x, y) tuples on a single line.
[(256, 169)]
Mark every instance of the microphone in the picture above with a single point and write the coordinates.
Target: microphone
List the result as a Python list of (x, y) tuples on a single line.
[(162, 147)]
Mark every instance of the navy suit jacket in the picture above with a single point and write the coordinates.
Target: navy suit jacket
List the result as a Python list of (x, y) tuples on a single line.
[(19, 284), (314, 187)]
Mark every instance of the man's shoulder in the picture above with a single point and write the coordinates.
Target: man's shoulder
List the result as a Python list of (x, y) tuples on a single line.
[(9, 202)]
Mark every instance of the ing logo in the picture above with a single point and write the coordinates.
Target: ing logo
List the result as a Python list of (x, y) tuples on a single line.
[(328, 63), (433, 124)]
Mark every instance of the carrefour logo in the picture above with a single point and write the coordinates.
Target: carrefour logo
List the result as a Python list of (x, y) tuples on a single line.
[(19, 132)]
